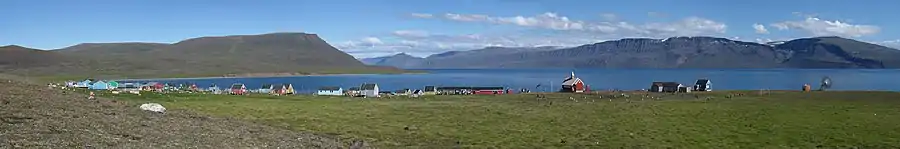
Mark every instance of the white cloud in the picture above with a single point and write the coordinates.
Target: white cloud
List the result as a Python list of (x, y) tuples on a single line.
[(437, 43), (691, 26), (372, 40), (422, 15), (466, 17), (760, 29), (891, 43), (546, 20), (818, 27), (411, 33)]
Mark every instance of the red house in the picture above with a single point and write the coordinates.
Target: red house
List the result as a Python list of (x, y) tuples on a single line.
[(238, 89), (573, 84), (488, 90), (153, 86)]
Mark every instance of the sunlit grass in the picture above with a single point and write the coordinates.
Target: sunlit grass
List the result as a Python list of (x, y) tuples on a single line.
[(705, 120)]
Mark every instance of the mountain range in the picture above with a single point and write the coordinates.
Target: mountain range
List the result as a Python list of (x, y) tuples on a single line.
[(264, 54), (675, 52)]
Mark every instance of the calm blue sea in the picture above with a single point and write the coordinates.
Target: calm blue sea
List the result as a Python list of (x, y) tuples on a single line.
[(597, 79)]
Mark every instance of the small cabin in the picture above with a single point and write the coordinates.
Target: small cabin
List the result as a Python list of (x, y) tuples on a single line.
[(265, 89), (214, 89), (429, 90), (288, 89), (279, 89), (665, 87), (330, 91), (99, 85), (153, 86), (573, 84), (703, 85), (369, 90)]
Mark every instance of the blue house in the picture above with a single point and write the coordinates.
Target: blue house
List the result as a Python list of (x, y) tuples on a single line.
[(99, 85), (330, 91)]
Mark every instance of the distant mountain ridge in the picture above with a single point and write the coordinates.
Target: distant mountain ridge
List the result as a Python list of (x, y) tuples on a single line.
[(276, 53), (675, 52)]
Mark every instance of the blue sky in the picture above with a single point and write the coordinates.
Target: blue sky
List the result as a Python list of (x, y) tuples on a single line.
[(367, 28)]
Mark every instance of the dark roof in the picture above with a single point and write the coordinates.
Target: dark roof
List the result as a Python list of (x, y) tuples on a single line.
[(353, 89), (430, 88), (278, 86), (702, 81), (666, 83), (266, 86), (236, 86), (329, 88), (368, 86)]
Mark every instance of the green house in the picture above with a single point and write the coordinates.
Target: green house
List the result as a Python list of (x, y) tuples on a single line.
[(113, 84)]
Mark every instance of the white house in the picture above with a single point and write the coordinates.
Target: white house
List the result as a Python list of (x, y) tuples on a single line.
[(330, 91), (703, 85), (369, 90)]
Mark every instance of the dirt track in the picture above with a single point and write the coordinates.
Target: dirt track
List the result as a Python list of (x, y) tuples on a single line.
[(33, 116)]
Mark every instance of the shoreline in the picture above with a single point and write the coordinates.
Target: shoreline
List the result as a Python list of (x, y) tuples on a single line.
[(265, 76)]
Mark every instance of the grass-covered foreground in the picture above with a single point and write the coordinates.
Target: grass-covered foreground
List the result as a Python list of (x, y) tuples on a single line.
[(750, 119)]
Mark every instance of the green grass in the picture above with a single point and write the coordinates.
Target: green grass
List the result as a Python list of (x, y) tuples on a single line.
[(704, 120)]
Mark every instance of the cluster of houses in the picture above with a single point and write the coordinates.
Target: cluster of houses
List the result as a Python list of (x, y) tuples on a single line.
[(702, 85), (570, 84), (129, 86)]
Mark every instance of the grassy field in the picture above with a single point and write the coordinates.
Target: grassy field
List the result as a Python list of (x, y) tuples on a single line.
[(739, 119)]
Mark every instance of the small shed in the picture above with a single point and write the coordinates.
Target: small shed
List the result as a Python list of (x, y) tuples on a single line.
[(288, 88), (669, 87), (703, 85), (99, 85), (369, 90), (573, 84), (330, 91)]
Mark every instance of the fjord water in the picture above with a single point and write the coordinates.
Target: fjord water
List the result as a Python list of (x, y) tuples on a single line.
[(542, 80)]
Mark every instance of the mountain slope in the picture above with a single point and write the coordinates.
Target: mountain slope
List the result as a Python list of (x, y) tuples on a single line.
[(259, 55), (836, 52), (401, 60), (682, 52), (277, 52), (14, 57)]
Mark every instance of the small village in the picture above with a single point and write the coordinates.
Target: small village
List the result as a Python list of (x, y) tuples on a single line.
[(570, 84)]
